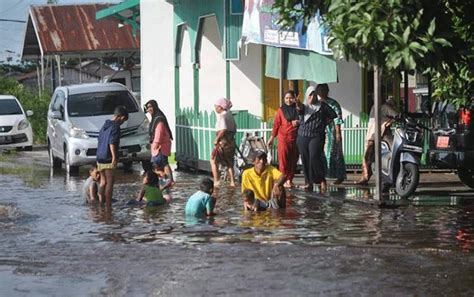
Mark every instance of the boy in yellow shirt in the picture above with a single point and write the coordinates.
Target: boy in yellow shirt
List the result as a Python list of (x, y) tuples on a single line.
[(266, 182)]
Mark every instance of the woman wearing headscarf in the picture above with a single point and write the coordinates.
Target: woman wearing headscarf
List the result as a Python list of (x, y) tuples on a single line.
[(334, 159), (314, 117), (160, 137), (285, 128), (224, 144)]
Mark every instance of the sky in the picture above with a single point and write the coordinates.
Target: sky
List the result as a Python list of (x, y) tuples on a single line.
[(12, 33)]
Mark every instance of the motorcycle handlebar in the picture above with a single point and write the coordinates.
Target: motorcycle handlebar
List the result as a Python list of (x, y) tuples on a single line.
[(400, 118)]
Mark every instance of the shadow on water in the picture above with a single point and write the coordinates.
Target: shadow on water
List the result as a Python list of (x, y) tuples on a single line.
[(334, 218)]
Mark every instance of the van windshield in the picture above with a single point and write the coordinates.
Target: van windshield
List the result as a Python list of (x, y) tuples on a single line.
[(100, 103), (9, 106), (445, 115)]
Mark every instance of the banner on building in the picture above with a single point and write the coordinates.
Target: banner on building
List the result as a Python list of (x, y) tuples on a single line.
[(260, 26)]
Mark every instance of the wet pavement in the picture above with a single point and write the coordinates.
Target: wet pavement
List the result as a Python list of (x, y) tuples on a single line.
[(340, 243)]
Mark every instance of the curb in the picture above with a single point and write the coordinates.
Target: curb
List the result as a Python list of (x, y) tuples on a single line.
[(40, 147)]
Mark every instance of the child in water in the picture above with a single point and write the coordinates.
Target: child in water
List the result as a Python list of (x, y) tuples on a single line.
[(252, 204), (201, 203), (90, 189), (151, 192), (165, 183)]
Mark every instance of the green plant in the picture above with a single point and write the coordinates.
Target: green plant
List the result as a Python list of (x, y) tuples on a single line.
[(432, 36), (30, 101), (456, 85)]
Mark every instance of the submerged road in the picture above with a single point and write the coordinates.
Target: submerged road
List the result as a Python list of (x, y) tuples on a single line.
[(336, 244)]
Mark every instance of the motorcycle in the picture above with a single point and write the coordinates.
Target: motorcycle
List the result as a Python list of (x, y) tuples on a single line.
[(401, 153)]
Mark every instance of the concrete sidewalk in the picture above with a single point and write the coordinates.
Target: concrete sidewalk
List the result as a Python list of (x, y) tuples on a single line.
[(435, 188)]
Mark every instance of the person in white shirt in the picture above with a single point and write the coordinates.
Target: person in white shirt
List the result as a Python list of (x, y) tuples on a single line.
[(387, 109), (224, 144)]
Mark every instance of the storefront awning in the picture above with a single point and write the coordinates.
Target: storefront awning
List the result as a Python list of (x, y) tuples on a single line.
[(300, 64)]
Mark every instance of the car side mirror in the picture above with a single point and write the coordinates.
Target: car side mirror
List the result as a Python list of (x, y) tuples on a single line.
[(56, 115), (29, 113)]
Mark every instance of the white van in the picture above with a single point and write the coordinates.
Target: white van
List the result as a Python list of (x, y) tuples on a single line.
[(128, 78), (76, 115)]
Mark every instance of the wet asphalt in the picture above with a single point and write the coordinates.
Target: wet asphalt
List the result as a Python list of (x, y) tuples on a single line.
[(337, 244)]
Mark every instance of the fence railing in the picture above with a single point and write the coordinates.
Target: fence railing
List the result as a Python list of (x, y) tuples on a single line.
[(195, 133)]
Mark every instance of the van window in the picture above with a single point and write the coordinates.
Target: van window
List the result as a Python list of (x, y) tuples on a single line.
[(100, 103), (119, 80), (58, 101), (58, 104), (9, 106), (445, 115)]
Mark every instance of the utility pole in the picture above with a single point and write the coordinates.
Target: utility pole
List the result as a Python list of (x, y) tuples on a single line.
[(378, 103)]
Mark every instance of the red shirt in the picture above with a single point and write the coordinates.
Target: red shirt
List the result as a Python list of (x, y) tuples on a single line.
[(283, 129)]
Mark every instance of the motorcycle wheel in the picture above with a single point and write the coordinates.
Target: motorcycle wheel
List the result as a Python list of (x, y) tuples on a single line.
[(466, 176), (407, 180)]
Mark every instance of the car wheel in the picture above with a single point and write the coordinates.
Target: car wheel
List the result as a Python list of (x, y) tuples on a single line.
[(407, 180), (53, 161), (127, 166), (466, 176), (29, 148), (70, 169)]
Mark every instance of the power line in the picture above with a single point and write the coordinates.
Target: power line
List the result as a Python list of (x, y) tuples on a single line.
[(13, 21)]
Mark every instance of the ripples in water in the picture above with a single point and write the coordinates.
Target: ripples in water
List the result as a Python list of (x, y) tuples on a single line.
[(332, 219)]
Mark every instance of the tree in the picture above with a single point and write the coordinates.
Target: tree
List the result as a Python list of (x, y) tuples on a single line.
[(432, 36)]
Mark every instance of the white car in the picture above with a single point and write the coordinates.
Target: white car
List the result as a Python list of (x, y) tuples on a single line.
[(15, 129), (77, 113)]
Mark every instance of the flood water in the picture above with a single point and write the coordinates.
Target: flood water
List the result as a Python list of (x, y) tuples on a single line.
[(54, 244)]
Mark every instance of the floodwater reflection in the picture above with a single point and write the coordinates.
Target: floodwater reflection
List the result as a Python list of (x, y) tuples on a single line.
[(55, 211)]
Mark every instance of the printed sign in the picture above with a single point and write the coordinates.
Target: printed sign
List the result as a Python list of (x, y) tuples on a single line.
[(260, 26), (442, 142)]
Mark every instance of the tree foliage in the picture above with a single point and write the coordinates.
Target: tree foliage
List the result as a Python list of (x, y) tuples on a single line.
[(432, 36)]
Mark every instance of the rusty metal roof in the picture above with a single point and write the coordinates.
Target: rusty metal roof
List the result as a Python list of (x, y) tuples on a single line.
[(73, 30)]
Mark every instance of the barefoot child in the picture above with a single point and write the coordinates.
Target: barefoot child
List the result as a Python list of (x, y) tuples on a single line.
[(108, 144), (90, 189), (164, 182), (150, 191), (201, 203)]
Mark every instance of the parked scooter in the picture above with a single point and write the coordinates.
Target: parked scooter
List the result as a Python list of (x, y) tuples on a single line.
[(400, 155)]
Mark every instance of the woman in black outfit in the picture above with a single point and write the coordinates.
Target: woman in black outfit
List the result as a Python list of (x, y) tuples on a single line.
[(315, 115)]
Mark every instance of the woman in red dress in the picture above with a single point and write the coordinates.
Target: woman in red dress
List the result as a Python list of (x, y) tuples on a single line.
[(285, 128)]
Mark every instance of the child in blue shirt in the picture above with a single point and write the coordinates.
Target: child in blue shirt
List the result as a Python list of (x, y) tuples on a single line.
[(201, 203), (108, 144)]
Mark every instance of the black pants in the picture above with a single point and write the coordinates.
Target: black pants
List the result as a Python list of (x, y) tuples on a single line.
[(312, 152)]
